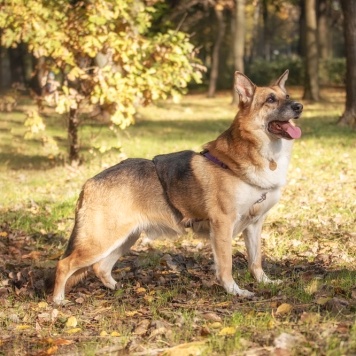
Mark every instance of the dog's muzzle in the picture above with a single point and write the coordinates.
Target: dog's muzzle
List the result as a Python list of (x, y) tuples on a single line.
[(286, 129)]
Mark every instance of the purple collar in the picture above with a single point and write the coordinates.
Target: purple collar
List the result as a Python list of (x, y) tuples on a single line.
[(213, 159)]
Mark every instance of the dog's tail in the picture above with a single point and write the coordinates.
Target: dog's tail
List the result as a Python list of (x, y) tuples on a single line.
[(78, 275)]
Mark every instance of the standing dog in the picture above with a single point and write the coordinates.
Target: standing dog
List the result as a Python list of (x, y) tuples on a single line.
[(230, 187)]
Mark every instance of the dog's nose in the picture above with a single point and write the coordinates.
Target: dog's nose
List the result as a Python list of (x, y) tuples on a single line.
[(297, 107)]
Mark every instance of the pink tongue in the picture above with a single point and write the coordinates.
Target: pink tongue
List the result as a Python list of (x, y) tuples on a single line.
[(293, 131)]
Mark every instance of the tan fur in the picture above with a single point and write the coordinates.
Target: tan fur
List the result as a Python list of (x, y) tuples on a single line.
[(163, 196)]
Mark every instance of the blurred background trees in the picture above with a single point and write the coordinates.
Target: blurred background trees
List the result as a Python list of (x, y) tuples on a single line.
[(118, 54), (268, 35)]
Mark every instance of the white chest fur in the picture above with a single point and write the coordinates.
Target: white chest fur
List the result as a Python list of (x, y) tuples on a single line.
[(276, 160)]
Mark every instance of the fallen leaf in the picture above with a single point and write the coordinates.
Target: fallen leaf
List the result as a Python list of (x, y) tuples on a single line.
[(52, 350), (54, 315), (322, 300), (42, 305), (60, 342), (103, 333), (157, 332), (310, 318), (23, 327), (14, 318), (33, 255), (55, 256), (131, 313), (115, 333), (140, 290), (222, 305), (211, 317), (142, 327), (44, 316), (215, 325), (271, 324), (287, 341), (71, 322), (148, 298), (228, 331), (284, 308), (73, 331), (192, 349)]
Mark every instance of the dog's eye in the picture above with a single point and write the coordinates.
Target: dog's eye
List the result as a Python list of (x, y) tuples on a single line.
[(271, 99)]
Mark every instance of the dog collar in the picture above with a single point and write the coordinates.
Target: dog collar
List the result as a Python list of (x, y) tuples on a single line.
[(213, 159)]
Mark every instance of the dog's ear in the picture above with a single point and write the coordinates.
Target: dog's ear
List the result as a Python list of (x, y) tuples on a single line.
[(282, 80), (244, 87)]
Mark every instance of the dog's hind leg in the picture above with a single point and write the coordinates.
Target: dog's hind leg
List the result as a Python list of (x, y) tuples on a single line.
[(102, 269), (66, 268)]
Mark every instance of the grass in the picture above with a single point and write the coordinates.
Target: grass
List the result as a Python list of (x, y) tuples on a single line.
[(309, 243)]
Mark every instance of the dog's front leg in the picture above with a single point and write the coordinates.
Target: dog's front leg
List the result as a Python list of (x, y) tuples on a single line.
[(221, 240), (252, 237)]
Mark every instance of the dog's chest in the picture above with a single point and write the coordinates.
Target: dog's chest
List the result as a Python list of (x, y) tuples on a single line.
[(246, 196), (273, 175)]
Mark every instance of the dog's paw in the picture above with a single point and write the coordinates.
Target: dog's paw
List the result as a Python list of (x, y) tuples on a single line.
[(262, 277), (60, 301), (244, 293), (234, 289)]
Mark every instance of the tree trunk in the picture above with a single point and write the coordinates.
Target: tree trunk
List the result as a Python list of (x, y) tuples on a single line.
[(1, 63), (266, 31), (348, 118), (17, 64), (239, 41), (73, 124), (302, 29), (311, 87), (219, 11), (255, 36), (324, 38)]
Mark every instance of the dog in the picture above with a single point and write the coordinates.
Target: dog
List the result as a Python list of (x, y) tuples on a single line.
[(229, 187)]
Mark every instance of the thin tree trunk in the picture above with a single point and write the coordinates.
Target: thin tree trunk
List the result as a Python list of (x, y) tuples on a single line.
[(1, 55), (255, 39), (311, 87), (266, 31), (17, 64), (73, 125), (324, 32), (239, 41), (302, 30), (219, 11), (348, 118)]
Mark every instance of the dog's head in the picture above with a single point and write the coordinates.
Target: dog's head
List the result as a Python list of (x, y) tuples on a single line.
[(268, 108)]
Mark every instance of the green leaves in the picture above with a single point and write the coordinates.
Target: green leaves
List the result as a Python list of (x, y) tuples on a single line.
[(105, 52)]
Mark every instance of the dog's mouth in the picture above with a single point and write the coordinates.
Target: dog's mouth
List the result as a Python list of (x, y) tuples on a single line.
[(284, 129)]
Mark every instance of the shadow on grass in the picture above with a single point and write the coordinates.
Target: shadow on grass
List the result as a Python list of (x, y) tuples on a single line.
[(163, 269), (17, 161)]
